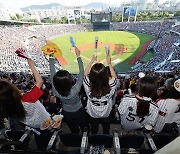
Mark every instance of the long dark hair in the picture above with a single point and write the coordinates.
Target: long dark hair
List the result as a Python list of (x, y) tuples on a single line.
[(147, 87), (62, 81), (142, 108), (99, 80), (10, 101)]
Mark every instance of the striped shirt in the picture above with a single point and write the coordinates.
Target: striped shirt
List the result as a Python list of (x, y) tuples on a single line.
[(36, 113), (169, 113), (99, 107), (129, 118)]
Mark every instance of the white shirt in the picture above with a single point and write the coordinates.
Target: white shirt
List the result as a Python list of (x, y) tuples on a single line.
[(169, 113), (129, 119), (36, 114), (99, 107)]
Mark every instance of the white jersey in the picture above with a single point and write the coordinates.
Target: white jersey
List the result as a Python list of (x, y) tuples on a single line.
[(129, 118), (169, 113), (99, 107), (36, 114)]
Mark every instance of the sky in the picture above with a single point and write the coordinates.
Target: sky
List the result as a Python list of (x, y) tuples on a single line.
[(24, 3)]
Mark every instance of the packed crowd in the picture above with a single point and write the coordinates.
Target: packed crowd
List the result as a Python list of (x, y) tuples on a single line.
[(147, 27), (176, 28), (165, 51), (146, 101), (34, 37), (31, 38)]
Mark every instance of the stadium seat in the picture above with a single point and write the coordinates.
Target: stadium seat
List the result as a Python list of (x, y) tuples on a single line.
[(131, 141), (72, 143), (42, 140), (161, 140), (71, 140), (19, 135), (101, 139), (157, 141)]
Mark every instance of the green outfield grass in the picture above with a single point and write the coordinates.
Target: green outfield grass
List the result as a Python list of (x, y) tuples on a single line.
[(133, 42)]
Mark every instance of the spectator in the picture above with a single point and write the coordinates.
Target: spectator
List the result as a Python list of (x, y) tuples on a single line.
[(100, 91), (137, 111), (73, 111), (25, 107), (169, 114), (51, 106)]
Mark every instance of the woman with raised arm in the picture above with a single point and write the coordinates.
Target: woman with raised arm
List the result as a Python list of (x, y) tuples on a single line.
[(68, 93), (26, 107), (100, 90), (23, 107)]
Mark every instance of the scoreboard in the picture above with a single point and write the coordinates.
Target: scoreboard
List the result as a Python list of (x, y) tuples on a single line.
[(101, 17), (101, 21)]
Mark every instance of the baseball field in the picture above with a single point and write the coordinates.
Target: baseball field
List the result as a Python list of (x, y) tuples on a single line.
[(125, 48)]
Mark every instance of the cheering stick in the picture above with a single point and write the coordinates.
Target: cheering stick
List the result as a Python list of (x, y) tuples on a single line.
[(72, 42), (96, 45), (107, 50)]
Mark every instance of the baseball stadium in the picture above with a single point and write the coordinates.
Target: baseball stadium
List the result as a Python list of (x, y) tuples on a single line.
[(86, 80), (124, 48)]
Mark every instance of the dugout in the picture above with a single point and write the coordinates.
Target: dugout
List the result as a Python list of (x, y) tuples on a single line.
[(101, 21)]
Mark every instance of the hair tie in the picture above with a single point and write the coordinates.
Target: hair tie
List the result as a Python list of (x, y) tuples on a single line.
[(147, 99)]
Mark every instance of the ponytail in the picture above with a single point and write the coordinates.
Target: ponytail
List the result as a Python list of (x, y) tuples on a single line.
[(142, 108)]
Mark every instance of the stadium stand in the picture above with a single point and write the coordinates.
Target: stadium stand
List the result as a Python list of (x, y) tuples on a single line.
[(12, 69), (164, 45)]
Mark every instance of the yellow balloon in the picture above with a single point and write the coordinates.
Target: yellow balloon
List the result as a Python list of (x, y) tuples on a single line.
[(52, 49)]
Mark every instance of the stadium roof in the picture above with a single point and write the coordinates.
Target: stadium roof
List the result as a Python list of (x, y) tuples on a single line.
[(13, 22)]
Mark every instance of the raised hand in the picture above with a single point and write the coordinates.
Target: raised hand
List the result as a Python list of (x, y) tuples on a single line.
[(94, 58), (108, 59), (77, 51), (22, 53)]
